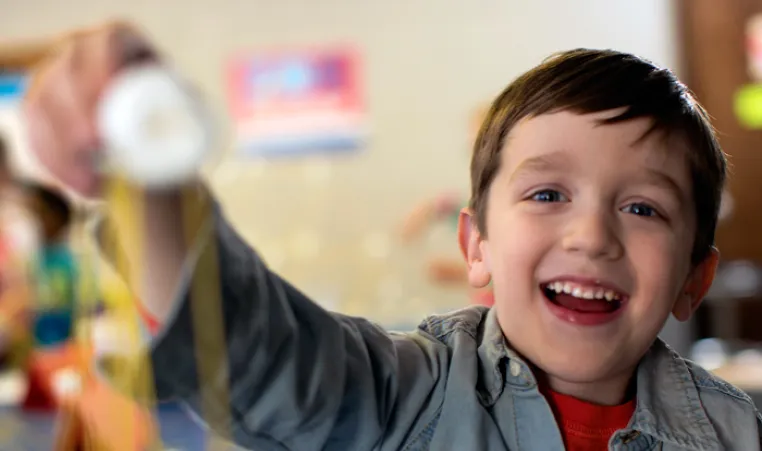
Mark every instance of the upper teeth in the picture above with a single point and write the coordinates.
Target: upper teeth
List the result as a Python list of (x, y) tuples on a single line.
[(583, 292)]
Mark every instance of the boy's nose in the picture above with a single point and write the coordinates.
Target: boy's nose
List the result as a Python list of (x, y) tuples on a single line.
[(593, 233)]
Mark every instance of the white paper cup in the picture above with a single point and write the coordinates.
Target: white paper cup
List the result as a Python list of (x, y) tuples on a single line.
[(156, 132)]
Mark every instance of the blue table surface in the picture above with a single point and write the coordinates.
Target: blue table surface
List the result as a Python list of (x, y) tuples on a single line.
[(23, 431)]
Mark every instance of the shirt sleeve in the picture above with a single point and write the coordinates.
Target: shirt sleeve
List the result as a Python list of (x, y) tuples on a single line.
[(289, 374)]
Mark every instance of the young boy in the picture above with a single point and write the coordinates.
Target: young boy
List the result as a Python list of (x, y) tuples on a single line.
[(596, 182)]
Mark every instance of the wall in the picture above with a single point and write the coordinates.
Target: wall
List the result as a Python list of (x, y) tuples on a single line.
[(326, 224)]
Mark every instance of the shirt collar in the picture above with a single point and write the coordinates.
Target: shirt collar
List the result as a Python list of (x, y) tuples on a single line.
[(494, 357), (668, 404)]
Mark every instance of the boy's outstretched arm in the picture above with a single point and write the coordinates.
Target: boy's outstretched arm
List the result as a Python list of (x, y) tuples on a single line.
[(299, 378)]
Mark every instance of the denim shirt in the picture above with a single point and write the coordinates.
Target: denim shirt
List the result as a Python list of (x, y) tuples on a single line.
[(301, 378)]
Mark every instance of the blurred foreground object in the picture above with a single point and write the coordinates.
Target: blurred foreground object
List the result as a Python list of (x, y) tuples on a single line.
[(155, 130), (122, 109), (79, 83)]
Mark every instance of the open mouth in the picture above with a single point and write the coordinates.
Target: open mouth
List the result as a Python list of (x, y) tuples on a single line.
[(583, 298)]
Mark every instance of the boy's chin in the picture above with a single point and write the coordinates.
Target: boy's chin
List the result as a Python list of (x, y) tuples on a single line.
[(563, 373)]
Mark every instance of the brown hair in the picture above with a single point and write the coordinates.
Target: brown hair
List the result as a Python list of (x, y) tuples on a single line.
[(589, 81)]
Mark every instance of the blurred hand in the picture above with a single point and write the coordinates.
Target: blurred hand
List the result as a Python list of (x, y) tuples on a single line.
[(61, 104)]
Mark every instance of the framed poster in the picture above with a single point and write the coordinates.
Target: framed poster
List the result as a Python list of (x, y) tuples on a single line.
[(297, 102)]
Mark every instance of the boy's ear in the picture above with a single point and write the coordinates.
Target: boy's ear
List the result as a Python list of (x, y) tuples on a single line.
[(474, 252), (698, 284)]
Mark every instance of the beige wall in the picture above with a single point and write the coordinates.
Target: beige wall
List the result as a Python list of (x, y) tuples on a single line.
[(324, 223)]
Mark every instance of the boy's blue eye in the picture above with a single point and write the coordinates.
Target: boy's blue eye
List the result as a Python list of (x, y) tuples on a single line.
[(548, 195), (640, 210)]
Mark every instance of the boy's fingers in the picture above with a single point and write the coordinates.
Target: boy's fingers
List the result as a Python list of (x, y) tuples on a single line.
[(54, 115), (130, 46)]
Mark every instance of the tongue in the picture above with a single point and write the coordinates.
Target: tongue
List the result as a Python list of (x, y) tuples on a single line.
[(586, 305)]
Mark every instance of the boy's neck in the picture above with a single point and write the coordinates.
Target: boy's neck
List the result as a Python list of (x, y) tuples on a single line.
[(610, 392)]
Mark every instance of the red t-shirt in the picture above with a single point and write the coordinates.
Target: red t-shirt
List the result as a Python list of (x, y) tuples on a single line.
[(586, 426)]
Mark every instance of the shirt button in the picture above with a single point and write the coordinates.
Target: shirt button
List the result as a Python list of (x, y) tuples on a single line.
[(515, 368)]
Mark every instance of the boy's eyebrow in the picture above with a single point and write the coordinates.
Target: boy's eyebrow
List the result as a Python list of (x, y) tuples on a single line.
[(664, 180), (560, 161), (554, 161)]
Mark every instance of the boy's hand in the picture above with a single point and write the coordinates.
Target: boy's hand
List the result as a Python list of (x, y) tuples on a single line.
[(66, 86), (68, 77)]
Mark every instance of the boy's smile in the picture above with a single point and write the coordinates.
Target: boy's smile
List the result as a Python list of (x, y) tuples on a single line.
[(589, 232), (583, 300)]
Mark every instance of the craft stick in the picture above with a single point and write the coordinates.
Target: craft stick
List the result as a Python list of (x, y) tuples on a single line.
[(133, 374), (208, 320)]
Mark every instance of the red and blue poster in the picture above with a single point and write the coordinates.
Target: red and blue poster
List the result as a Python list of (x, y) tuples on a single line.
[(296, 103)]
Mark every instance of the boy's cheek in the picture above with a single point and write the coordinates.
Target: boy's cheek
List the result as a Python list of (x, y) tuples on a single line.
[(521, 240), (663, 259)]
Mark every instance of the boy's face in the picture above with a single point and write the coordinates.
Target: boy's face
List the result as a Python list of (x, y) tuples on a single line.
[(587, 208)]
